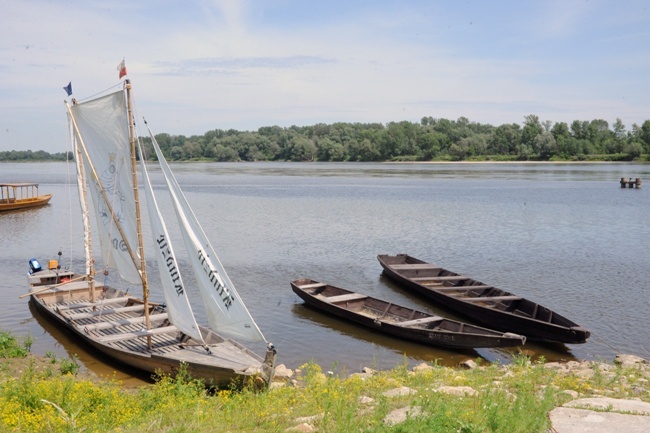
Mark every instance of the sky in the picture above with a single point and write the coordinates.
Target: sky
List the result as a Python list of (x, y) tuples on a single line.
[(197, 66)]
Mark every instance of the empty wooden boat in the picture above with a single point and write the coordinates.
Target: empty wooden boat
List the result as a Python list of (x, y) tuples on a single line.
[(21, 195), (398, 321), (482, 303)]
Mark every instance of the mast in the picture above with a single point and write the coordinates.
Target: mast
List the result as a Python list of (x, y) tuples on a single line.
[(143, 269), (85, 216)]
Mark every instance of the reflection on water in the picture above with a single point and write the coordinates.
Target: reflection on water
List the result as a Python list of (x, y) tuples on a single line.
[(68, 346), (564, 235)]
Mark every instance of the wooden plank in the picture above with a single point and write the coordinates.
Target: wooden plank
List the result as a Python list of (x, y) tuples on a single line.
[(420, 321), (137, 334), (106, 312), (343, 298), (312, 285), (419, 280), (124, 322), (98, 303), (492, 298), (406, 266), (461, 288)]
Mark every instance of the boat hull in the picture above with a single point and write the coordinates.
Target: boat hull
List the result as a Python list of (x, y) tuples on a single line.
[(505, 312), (398, 321), (41, 200)]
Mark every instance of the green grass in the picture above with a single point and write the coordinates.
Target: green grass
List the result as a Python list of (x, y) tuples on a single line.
[(11, 347), (513, 398)]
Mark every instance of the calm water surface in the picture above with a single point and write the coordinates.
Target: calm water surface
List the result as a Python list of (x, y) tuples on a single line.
[(564, 235)]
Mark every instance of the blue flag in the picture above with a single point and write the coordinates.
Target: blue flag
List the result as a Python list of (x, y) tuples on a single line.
[(68, 88)]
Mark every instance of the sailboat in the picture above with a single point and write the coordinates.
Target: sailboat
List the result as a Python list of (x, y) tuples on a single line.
[(149, 336)]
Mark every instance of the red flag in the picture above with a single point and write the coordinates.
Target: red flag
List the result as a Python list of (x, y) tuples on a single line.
[(122, 68)]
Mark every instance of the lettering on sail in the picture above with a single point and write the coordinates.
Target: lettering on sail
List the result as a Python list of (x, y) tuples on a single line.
[(171, 264), (223, 292)]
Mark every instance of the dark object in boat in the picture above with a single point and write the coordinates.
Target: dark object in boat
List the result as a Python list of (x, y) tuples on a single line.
[(400, 321), (482, 303)]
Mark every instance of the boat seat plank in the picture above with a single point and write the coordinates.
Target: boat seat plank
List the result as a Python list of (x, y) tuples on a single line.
[(312, 285), (462, 288), (124, 322), (420, 321), (137, 334), (106, 312), (406, 266), (442, 278), (343, 298), (97, 303), (493, 298)]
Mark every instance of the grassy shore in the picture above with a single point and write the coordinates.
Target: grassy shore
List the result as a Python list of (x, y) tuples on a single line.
[(44, 394)]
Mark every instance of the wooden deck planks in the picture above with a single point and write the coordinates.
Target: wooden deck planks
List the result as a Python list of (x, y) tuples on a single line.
[(104, 312), (137, 334), (98, 303)]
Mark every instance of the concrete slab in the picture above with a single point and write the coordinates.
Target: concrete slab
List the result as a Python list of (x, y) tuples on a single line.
[(571, 419), (636, 407)]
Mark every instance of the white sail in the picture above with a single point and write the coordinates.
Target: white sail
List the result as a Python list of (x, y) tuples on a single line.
[(102, 130), (178, 306), (224, 308), (83, 204)]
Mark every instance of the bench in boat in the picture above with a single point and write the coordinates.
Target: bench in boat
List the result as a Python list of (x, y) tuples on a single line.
[(493, 298), (440, 278), (312, 286), (137, 334), (343, 298), (124, 322), (108, 311), (461, 288), (97, 303), (420, 321), (407, 266)]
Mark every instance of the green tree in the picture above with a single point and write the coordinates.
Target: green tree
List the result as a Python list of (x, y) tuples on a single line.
[(532, 128), (505, 140), (544, 144)]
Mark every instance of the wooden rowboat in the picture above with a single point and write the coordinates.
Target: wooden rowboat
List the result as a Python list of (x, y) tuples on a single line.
[(21, 195), (398, 321), (482, 303)]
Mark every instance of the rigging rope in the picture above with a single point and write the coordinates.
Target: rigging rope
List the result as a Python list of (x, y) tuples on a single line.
[(99, 93)]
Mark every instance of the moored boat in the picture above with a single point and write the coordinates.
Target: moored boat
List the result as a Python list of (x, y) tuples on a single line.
[(105, 314), (21, 195), (482, 303), (399, 321)]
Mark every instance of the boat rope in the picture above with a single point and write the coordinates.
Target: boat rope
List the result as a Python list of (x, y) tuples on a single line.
[(100, 92), (603, 341)]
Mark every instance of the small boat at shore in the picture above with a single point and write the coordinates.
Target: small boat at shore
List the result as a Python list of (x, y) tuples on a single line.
[(482, 303), (398, 321), (21, 195)]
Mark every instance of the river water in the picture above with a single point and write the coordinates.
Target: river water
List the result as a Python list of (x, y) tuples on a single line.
[(564, 235)]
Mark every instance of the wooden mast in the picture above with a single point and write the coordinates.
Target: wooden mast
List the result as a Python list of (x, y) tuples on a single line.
[(143, 269), (83, 198)]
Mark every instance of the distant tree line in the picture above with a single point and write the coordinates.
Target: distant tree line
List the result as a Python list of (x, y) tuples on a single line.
[(28, 155), (429, 140)]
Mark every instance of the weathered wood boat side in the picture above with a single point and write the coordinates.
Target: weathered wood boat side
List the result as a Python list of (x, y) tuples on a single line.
[(399, 321), (482, 303)]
